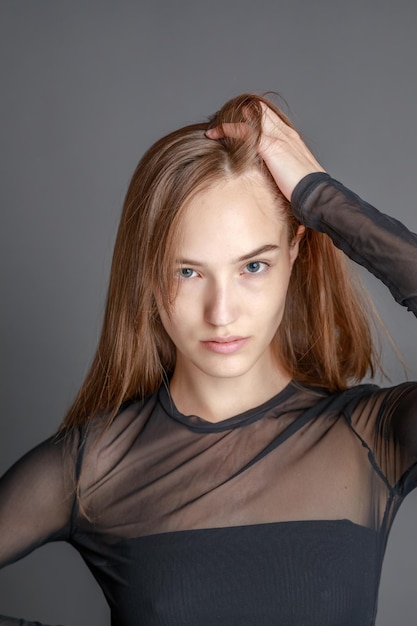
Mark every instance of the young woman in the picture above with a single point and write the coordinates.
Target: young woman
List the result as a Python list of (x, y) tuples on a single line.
[(219, 467)]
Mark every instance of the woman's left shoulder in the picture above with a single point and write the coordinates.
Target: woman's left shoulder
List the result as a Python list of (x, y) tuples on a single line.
[(372, 405)]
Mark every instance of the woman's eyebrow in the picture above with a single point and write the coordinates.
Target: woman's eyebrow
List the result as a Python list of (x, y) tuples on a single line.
[(269, 247)]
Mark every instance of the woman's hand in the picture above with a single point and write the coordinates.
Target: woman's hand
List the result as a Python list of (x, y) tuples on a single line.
[(281, 147)]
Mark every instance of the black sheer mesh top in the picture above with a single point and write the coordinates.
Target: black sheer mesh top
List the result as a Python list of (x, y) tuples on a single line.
[(276, 516)]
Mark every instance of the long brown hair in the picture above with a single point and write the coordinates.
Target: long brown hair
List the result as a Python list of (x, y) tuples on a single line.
[(324, 338)]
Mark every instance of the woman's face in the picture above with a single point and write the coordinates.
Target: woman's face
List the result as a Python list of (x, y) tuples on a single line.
[(231, 277)]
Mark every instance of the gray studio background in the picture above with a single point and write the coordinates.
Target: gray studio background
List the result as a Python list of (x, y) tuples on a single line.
[(85, 88)]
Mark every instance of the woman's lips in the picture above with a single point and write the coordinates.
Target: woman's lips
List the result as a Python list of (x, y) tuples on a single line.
[(225, 345)]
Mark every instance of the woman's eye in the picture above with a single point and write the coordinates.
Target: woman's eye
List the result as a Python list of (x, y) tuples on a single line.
[(186, 272), (255, 267)]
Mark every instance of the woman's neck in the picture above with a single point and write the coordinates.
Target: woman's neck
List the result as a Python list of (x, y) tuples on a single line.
[(217, 399)]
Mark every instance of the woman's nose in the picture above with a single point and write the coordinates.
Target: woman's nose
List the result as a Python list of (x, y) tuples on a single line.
[(221, 308)]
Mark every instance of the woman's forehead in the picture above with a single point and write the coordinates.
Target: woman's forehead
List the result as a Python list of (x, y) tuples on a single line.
[(235, 215)]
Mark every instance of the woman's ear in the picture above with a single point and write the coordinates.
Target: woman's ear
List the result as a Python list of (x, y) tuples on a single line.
[(295, 243)]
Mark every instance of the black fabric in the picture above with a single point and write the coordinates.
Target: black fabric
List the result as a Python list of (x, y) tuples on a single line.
[(277, 516), (297, 570)]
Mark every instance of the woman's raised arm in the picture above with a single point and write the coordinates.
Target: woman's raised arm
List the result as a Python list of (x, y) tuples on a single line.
[(378, 242)]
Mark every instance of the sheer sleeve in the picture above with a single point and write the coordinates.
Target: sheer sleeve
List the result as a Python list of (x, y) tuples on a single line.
[(36, 500), (380, 243), (397, 439), (388, 249)]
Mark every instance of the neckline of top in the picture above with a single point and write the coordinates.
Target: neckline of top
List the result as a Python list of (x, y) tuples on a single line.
[(199, 424)]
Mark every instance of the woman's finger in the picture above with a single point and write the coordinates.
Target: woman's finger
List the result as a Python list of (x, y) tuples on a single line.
[(284, 152), (238, 130)]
